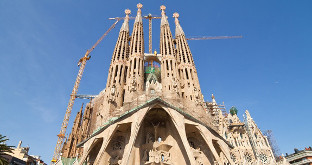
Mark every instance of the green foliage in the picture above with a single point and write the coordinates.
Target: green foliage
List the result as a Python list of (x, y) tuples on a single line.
[(4, 149), (233, 111)]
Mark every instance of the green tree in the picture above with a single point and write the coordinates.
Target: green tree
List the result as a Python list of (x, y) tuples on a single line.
[(4, 149)]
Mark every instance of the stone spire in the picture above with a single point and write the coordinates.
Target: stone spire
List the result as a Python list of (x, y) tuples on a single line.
[(179, 30), (125, 25), (118, 69), (213, 99), (138, 18), (116, 78), (186, 69), (135, 75), (69, 148), (164, 20), (137, 39), (168, 63)]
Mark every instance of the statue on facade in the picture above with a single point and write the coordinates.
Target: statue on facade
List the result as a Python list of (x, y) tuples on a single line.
[(197, 96), (175, 85), (112, 93), (133, 84)]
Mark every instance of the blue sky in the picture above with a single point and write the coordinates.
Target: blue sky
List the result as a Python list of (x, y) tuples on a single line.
[(267, 72)]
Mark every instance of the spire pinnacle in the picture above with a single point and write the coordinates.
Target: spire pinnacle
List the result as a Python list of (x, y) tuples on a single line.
[(138, 18), (213, 98), (164, 20), (125, 25), (127, 12), (179, 30), (162, 8)]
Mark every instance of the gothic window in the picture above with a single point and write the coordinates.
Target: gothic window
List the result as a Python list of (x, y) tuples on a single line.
[(134, 64), (123, 96), (120, 73), (186, 74), (139, 66), (125, 74), (191, 74), (116, 71), (130, 68)]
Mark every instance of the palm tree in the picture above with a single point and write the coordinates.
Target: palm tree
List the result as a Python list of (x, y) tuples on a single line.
[(4, 149)]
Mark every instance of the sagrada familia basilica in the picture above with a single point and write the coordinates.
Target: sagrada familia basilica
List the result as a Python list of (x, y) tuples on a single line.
[(152, 111)]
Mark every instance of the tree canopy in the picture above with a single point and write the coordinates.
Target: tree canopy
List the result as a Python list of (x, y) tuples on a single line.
[(4, 149)]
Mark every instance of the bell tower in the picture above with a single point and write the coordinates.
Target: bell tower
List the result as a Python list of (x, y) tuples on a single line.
[(135, 75), (114, 93), (190, 88), (168, 62)]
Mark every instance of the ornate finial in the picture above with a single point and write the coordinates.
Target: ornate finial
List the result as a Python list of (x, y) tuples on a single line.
[(162, 7), (127, 11), (155, 52), (164, 20), (176, 15), (139, 5), (212, 96), (125, 25), (138, 18), (179, 30)]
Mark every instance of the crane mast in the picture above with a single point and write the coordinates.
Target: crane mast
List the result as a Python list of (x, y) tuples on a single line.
[(213, 38), (82, 63)]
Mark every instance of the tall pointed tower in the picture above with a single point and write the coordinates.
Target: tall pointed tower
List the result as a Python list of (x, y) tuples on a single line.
[(114, 92), (135, 76), (170, 87), (190, 88), (69, 148)]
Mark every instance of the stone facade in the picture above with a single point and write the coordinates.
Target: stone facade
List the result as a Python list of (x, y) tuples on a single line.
[(302, 157), (152, 111)]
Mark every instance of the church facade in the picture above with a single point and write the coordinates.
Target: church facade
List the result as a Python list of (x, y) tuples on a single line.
[(152, 111)]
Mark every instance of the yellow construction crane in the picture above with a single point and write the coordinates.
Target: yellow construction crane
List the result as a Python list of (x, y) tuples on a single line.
[(82, 63), (149, 17), (213, 38)]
